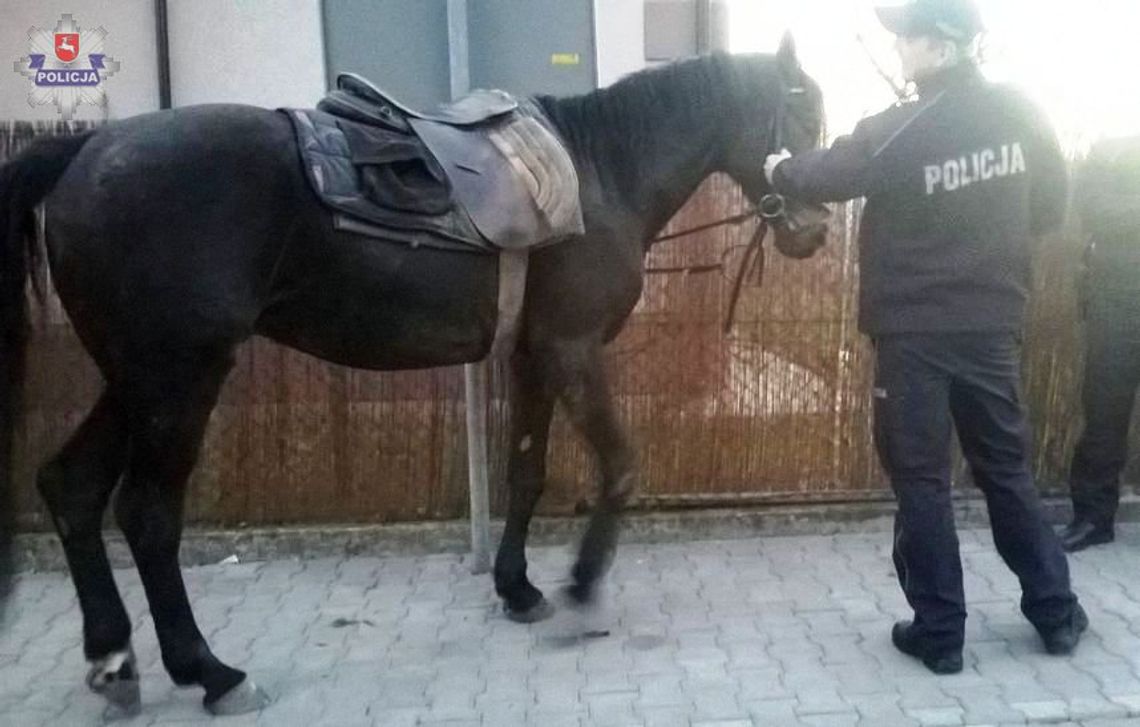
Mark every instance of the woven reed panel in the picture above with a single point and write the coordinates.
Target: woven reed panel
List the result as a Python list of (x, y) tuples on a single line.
[(776, 410)]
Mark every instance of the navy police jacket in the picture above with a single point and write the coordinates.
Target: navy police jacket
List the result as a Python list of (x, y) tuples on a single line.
[(958, 186)]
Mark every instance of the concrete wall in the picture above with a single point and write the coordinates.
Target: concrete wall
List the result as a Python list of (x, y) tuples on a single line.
[(620, 31), (621, 34), (130, 40), (263, 52)]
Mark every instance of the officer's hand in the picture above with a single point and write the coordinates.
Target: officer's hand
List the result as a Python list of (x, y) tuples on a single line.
[(773, 161)]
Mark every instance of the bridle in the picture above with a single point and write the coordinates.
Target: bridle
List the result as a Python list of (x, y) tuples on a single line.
[(771, 210)]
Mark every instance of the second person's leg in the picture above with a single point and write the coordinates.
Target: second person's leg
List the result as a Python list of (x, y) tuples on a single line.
[(992, 427)]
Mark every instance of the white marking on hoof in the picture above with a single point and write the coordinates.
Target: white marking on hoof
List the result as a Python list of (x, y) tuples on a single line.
[(107, 670), (244, 698), (116, 678)]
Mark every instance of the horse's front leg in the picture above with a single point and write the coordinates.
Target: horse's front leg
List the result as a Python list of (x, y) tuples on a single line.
[(532, 404), (585, 394)]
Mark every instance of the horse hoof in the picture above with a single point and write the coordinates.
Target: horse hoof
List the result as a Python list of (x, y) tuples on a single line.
[(124, 700), (578, 596), (130, 708), (116, 678), (245, 697), (538, 612)]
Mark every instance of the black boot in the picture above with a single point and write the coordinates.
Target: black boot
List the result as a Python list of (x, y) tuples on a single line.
[(1081, 534), (909, 641)]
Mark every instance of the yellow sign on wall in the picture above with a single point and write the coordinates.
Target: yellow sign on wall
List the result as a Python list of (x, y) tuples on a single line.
[(565, 59)]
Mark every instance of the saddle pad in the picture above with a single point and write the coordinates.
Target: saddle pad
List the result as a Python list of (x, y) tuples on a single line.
[(541, 162)]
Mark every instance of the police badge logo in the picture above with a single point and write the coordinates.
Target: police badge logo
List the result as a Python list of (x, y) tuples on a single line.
[(67, 66)]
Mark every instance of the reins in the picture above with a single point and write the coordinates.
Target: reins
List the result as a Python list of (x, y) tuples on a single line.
[(753, 256), (771, 209)]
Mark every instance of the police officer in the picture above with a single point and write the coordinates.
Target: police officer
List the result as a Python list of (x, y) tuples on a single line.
[(958, 185), (1108, 199)]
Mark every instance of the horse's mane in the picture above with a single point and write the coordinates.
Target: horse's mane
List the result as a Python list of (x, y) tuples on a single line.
[(689, 94)]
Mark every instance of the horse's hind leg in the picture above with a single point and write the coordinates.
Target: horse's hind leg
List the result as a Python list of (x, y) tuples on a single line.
[(170, 398), (586, 396), (532, 404), (76, 485)]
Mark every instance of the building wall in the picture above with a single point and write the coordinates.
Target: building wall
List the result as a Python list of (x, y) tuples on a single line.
[(268, 52), (264, 52), (286, 52), (523, 46), (130, 40), (527, 46), (620, 30), (624, 40), (400, 45)]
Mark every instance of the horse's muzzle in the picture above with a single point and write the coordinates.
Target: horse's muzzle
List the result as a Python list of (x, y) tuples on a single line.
[(802, 229), (800, 217)]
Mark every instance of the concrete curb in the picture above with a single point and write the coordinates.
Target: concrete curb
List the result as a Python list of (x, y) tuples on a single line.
[(42, 551)]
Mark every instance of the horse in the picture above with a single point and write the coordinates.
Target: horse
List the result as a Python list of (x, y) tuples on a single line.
[(171, 237)]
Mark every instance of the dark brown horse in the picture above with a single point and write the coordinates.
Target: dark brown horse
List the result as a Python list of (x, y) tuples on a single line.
[(174, 236)]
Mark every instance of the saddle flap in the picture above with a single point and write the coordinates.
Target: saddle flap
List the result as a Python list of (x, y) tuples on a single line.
[(396, 170), (483, 183), (515, 179), (386, 180)]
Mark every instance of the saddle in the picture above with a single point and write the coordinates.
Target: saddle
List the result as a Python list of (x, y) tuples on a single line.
[(483, 174)]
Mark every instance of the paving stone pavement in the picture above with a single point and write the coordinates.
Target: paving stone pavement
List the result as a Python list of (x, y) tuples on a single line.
[(766, 631)]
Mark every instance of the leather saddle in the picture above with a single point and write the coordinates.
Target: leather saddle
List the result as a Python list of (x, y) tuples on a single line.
[(358, 99), (484, 173)]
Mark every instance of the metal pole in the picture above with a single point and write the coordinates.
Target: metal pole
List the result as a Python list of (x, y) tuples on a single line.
[(459, 62), (704, 27), (162, 42), (475, 375), (477, 471)]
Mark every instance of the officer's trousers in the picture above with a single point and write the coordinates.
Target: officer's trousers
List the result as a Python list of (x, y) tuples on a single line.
[(924, 385), (1112, 373)]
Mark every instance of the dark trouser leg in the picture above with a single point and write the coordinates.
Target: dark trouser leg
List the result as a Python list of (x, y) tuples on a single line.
[(912, 434), (992, 427), (1112, 371)]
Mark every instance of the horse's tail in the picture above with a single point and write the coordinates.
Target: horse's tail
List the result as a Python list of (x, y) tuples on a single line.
[(24, 182)]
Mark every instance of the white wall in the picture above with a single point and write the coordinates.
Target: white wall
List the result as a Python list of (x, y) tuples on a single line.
[(262, 52), (620, 34), (130, 40)]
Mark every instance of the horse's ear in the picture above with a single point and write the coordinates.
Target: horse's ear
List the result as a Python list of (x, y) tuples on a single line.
[(787, 53)]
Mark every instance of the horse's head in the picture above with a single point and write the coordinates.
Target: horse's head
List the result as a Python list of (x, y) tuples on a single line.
[(782, 109)]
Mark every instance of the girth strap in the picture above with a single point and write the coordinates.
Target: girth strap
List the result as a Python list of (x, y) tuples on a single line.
[(512, 292)]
